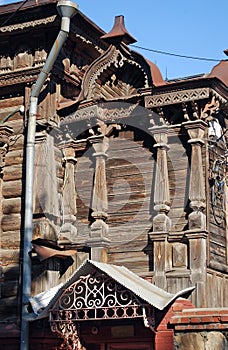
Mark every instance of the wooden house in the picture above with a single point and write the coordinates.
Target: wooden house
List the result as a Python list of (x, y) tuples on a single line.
[(129, 196)]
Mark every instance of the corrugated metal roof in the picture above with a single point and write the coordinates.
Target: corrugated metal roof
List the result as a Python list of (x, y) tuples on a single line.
[(147, 291)]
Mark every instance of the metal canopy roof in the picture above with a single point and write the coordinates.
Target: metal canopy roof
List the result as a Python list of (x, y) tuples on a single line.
[(145, 290)]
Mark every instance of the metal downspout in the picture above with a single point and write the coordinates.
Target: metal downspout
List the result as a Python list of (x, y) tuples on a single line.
[(67, 10)]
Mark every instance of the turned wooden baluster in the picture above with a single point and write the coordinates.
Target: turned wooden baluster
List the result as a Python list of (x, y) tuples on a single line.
[(98, 238)]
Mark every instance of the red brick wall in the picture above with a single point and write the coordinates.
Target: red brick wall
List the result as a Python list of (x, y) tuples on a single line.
[(164, 338), (200, 319)]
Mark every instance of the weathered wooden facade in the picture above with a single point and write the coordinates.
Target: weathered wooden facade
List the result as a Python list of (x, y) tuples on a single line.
[(129, 170)]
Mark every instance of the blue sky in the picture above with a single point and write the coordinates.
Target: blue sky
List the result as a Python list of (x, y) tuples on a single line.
[(194, 28)]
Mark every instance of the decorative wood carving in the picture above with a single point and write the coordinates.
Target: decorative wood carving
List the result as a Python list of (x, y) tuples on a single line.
[(99, 202), (161, 221), (21, 76), (68, 331), (6, 64), (105, 112), (5, 133), (22, 61), (185, 111), (218, 189), (210, 109), (99, 229), (26, 25), (69, 210), (45, 180), (174, 97), (116, 73), (88, 37), (197, 198)]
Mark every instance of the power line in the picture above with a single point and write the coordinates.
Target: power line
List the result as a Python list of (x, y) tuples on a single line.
[(177, 55), (136, 46), (13, 14)]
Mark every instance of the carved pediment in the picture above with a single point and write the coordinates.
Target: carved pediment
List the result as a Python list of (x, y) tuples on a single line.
[(119, 72)]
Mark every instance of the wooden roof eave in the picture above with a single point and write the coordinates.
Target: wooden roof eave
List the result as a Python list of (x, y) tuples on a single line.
[(70, 106), (213, 83), (204, 81)]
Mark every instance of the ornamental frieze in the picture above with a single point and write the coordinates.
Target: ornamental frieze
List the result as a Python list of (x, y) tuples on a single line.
[(88, 37), (98, 112), (24, 25), (19, 77), (175, 97)]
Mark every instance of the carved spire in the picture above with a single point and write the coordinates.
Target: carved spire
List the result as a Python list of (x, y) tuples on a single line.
[(119, 33)]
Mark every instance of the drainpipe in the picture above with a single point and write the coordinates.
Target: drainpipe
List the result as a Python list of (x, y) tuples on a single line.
[(66, 10)]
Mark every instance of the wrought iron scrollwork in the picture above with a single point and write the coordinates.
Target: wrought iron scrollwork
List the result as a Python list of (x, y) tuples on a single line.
[(96, 297)]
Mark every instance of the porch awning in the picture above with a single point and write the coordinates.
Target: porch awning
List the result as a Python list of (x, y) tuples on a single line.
[(141, 288)]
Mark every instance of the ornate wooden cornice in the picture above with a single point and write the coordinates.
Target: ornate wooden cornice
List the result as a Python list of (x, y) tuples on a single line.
[(115, 112), (174, 97), (176, 106), (19, 77), (115, 74), (25, 25), (88, 37)]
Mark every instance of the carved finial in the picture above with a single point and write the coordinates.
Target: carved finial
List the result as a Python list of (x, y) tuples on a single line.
[(119, 33)]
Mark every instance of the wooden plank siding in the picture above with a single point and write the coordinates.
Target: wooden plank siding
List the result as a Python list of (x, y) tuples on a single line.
[(130, 172), (217, 219), (10, 229), (216, 288)]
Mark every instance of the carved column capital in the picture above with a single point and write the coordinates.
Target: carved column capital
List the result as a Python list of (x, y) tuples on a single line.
[(69, 156), (100, 144), (195, 129), (160, 134)]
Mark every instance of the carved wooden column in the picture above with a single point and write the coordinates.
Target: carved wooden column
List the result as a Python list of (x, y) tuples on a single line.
[(197, 197), (46, 200), (161, 221), (197, 235), (98, 241), (68, 228)]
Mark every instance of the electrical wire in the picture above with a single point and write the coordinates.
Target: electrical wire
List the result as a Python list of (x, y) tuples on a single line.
[(14, 13), (136, 46), (177, 55)]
